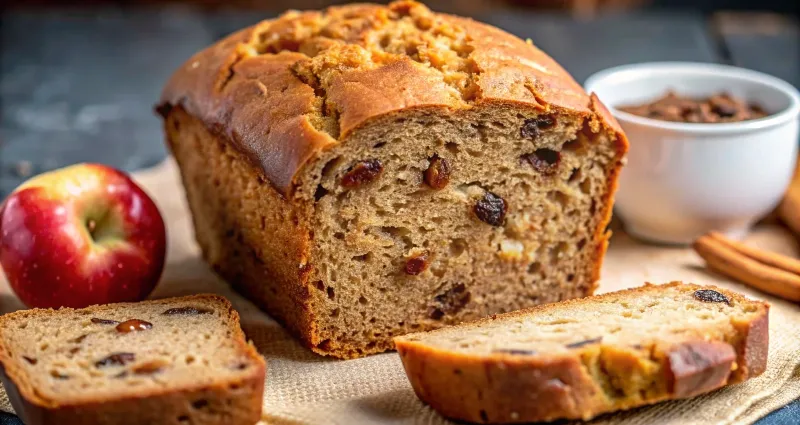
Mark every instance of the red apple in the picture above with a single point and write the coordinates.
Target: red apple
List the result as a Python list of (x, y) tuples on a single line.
[(81, 235)]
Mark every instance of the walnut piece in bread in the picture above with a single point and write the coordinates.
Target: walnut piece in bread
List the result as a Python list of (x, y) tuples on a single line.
[(580, 358), (171, 361), (321, 151)]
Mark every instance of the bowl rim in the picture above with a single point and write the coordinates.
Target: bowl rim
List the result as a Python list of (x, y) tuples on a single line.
[(702, 68)]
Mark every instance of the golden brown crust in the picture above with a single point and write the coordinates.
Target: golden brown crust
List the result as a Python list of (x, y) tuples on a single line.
[(609, 124), (286, 92), (231, 401), (225, 407), (482, 390), (500, 387), (752, 349), (268, 264), (267, 88)]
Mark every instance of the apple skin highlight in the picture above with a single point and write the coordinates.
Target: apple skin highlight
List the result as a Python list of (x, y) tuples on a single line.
[(79, 236)]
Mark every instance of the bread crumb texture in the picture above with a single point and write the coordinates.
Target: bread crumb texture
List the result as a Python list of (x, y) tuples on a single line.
[(170, 359), (585, 357), (367, 171)]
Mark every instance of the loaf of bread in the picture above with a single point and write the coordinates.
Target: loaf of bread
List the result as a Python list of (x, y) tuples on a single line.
[(581, 358), (175, 361), (368, 171)]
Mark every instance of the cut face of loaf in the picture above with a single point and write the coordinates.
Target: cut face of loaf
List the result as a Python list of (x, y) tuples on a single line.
[(171, 361), (456, 217), (371, 171), (581, 358)]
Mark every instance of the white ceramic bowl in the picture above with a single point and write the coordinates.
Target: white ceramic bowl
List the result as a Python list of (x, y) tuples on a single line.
[(683, 179)]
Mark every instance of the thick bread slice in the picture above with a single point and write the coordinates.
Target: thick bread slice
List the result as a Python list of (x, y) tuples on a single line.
[(186, 361), (368, 171), (581, 358)]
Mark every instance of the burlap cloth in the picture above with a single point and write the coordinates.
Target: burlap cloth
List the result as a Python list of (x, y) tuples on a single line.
[(303, 388)]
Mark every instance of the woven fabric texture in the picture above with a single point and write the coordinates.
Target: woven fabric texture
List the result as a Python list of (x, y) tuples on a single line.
[(304, 389)]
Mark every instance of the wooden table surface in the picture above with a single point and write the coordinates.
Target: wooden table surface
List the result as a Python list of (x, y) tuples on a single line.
[(79, 85)]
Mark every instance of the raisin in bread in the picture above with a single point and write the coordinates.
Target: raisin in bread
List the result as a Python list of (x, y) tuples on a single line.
[(172, 361), (581, 358), (367, 171)]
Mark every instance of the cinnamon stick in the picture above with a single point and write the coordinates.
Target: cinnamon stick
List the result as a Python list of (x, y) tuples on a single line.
[(789, 208), (767, 271)]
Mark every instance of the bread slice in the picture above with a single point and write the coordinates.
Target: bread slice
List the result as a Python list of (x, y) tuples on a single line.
[(368, 171), (581, 358), (172, 361)]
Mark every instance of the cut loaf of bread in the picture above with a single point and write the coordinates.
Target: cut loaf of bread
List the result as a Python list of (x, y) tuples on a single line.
[(177, 361), (581, 358), (368, 171)]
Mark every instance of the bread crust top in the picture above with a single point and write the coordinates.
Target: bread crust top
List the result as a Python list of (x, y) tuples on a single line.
[(284, 90)]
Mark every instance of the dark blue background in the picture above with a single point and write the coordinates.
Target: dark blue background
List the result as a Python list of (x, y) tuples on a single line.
[(79, 85)]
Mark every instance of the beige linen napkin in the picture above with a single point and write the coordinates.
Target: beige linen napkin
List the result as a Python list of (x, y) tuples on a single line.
[(303, 388)]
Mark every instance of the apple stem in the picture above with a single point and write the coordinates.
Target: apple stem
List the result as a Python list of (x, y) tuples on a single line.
[(91, 225)]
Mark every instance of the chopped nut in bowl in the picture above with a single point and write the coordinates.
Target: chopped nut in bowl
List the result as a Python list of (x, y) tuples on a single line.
[(712, 147)]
